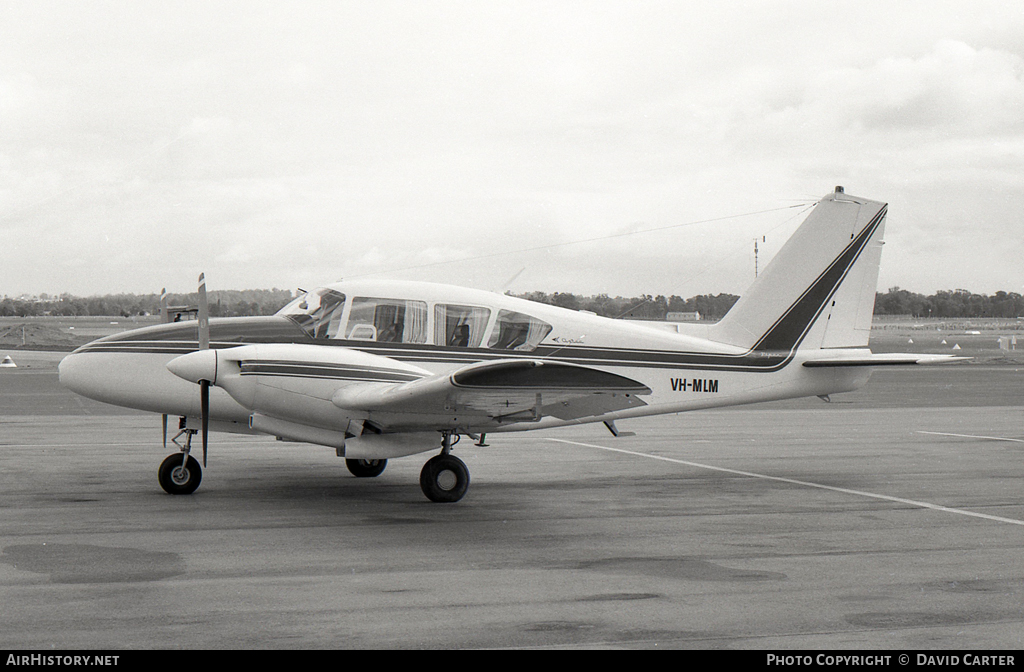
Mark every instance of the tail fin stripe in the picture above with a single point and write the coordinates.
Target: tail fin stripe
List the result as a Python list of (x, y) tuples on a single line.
[(789, 330)]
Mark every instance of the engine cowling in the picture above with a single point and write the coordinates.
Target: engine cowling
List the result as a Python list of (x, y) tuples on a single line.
[(294, 382)]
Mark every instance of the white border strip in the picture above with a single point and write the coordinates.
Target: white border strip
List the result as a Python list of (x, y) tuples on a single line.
[(859, 493)]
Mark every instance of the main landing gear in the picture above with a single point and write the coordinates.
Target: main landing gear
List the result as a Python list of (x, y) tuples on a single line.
[(444, 477), (179, 474), (366, 468)]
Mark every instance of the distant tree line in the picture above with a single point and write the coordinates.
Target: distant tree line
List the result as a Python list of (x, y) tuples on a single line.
[(235, 303), (644, 307), (942, 304), (955, 303), (223, 303)]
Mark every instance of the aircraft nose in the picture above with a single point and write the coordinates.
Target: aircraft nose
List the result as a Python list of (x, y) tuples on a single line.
[(66, 371), (195, 366), (90, 375)]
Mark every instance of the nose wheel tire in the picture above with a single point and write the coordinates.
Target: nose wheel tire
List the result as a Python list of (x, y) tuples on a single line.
[(176, 479), (366, 468), (444, 478)]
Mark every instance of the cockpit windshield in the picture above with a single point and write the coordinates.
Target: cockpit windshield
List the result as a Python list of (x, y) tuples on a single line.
[(317, 312)]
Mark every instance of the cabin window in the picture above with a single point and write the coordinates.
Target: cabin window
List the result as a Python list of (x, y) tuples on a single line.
[(460, 326), (516, 331), (318, 313), (387, 320)]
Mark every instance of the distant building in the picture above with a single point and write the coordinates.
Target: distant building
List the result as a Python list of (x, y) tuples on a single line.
[(683, 317)]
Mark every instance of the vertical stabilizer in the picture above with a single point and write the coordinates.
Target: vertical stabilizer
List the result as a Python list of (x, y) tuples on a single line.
[(819, 290)]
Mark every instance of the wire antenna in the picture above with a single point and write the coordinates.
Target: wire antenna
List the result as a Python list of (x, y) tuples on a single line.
[(578, 242)]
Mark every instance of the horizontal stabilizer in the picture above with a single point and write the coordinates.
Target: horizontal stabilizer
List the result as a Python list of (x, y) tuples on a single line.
[(887, 359)]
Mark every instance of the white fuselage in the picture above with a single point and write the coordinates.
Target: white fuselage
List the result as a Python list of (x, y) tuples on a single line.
[(683, 371)]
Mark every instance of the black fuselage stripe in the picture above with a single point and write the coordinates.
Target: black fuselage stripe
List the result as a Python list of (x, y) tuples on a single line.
[(316, 370), (586, 356), (328, 376)]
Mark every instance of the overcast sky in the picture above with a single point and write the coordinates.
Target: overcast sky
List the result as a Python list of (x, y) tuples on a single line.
[(287, 143)]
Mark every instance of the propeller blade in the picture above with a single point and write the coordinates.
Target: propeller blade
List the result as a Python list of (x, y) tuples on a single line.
[(164, 418), (165, 316), (204, 315), (204, 344), (508, 283), (204, 402)]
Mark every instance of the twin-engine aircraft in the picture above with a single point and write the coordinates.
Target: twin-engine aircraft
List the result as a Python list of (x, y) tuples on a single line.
[(381, 370)]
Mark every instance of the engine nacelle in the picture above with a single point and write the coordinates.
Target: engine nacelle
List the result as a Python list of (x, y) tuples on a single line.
[(387, 446), (288, 387)]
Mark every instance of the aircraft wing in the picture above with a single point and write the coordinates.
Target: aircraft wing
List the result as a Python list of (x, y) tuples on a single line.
[(502, 391), (886, 359)]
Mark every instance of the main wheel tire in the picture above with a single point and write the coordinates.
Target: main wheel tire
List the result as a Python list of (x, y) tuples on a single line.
[(366, 468), (444, 478), (178, 480)]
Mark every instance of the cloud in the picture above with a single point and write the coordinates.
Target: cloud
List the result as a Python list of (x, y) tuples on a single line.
[(204, 126), (19, 96), (284, 142), (954, 89)]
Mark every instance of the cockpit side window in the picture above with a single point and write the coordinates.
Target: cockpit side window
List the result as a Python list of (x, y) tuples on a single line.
[(318, 312), (387, 320), (328, 316), (516, 331), (460, 326)]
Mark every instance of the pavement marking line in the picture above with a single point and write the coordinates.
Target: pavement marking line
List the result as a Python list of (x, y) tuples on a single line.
[(808, 484), (972, 436)]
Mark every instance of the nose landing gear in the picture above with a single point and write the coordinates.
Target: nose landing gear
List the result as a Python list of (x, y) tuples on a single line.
[(179, 474)]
